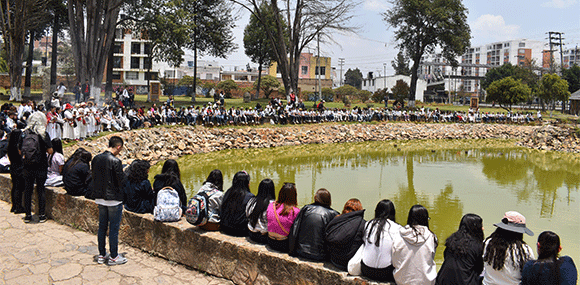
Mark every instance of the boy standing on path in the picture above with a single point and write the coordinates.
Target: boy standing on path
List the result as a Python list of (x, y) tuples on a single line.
[(107, 177)]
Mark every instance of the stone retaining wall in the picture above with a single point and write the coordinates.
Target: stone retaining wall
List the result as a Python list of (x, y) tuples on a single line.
[(155, 144), (228, 257)]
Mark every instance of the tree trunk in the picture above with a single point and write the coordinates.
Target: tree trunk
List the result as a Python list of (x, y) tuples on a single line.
[(194, 68), (54, 56), (259, 80), (109, 76), (28, 73), (413, 85)]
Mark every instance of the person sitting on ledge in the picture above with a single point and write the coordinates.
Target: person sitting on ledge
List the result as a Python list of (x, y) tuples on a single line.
[(214, 181), (549, 268), (138, 193), (171, 176), (76, 173), (306, 237), (281, 215), (55, 165), (256, 211), (233, 217), (344, 234)]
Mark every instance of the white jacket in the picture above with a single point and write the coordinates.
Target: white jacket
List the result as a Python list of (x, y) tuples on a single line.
[(379, 256), (414, 256)]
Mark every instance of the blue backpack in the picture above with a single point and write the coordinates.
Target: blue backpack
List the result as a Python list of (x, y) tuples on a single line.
[(197, 212)]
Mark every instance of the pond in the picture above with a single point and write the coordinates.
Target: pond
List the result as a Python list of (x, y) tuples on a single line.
[(450, 178)]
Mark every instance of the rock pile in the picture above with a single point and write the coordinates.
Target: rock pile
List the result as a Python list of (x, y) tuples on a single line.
[(553, 138), (155, 144)]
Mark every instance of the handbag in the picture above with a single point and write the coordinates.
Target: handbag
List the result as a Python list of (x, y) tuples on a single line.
[(354, 264)]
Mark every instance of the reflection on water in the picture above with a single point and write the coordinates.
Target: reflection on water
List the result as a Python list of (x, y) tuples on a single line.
[(450, 178)]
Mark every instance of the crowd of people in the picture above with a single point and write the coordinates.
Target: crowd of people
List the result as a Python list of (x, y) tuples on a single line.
[(78, 121), (380, 249)]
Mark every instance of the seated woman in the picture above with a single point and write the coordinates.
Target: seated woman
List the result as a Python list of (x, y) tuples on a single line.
[(463, 253), (549, 268), (214, 186), (76, 173), (137, 191), (233, 209), (306, 238), (256, 211), (505, 252), (414, 250), (55, 165), (378, 237), (170, 176), (281, 215), (344, 234)]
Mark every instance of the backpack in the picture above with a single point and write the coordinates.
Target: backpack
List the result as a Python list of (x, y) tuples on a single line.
[(30, 149), (197, 212), (168, 207)]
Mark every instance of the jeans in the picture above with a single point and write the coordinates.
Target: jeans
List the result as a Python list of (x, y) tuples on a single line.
[(77, 97), (32, 174), (109, 217)]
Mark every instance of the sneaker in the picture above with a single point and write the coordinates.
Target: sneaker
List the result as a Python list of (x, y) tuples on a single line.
[(117, 260), (42, 218), (28, 219), (101, 259)]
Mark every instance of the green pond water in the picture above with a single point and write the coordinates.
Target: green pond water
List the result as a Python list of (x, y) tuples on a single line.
[(450, 178)]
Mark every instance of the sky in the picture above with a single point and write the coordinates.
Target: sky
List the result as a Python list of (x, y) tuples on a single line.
[(490, 21)]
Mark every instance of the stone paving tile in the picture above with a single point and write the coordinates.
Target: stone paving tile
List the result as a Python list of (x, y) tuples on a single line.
[(51, 253)]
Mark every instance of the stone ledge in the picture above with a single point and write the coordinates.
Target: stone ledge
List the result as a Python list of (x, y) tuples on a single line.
[(224, 256)]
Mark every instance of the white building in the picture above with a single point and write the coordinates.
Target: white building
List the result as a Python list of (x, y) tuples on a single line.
[(571, 56), (376, 83), (474, 64)]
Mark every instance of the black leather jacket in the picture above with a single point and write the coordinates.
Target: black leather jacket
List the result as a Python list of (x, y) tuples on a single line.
[(306, 238), (108, 177)]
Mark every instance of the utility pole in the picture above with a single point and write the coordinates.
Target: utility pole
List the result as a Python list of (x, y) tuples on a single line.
[(385, 76), (319, 68), (555, 39), (341, 63)]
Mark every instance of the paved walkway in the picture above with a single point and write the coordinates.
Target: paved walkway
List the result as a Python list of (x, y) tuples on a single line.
[(51, 253)]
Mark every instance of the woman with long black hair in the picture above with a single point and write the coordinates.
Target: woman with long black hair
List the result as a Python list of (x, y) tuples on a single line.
[(414, 250), (170, 176), (76, 173), (213, 188), (549, 268), (378, 241), (505, 251), (256, 211), (138, 195), (16, 166), (55, 165), (463, 253), (233, 209)]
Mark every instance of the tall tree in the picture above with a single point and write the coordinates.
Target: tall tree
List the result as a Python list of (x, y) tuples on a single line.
[(401, 64), (204, 26), (572, 75), (58, 11), (17, 17), (353, 77), (507, 92), (305, 21), (552, 88), (257, 47), (423, 25), (527, 75), (400, 90), (92, 30)]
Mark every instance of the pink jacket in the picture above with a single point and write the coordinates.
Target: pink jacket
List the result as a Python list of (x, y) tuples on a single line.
[(286, 221)]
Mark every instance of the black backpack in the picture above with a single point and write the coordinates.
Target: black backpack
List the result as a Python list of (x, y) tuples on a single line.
[(31, 153)]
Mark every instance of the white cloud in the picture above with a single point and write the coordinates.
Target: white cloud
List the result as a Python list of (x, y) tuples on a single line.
[(559, 3), (377, 5), (490, 28)]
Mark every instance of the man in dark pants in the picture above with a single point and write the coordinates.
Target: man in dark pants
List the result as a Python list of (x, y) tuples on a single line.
[(37, 171), (108, 177), (86, 89)]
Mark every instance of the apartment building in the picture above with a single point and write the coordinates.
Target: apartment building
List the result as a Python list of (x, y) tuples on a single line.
[(310, 69)]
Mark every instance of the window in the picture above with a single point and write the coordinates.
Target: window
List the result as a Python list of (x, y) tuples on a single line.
[(151, 76), (146, 63), (170, 73), (135, 48), (304, 70), (116, 75), (522, 45), (131, 75), (147, 48), (322, 70), (117, 48), (190, 63), (117, 62), (135, 63), (209, 76)]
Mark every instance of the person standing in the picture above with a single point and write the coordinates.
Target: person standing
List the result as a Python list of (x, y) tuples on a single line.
[(107, 190), (77, 92), (35, 144), (60, 90), (86, 89)]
